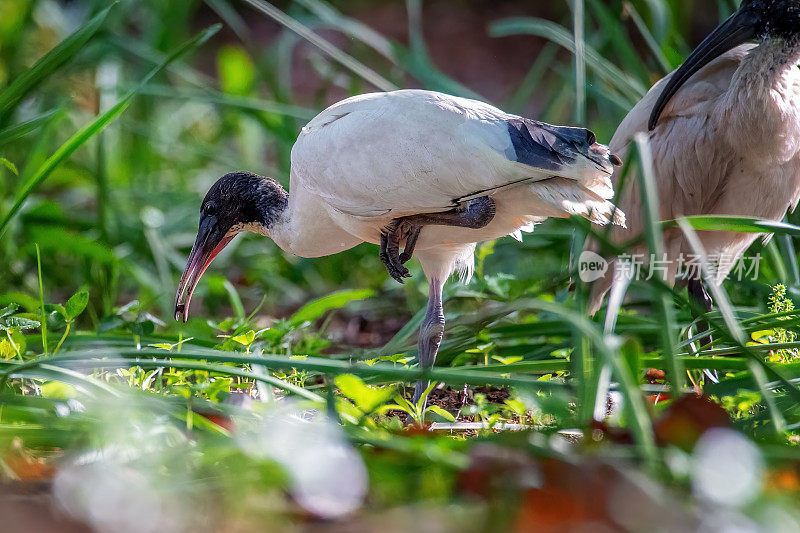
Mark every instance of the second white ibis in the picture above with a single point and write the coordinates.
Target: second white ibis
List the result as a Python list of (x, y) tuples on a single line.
[(725, 136)]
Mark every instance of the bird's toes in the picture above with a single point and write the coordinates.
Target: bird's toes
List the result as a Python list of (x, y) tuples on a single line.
[(397, 276), (396, 270), (401, 275)]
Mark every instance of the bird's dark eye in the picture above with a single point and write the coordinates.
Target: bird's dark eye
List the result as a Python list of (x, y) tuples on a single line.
[(590, 138), (209, 208)]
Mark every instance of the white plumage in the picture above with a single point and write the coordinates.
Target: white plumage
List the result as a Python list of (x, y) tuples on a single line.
[(376, 157), (423, 170)]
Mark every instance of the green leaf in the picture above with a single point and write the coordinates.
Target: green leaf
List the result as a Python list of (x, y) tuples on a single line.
[(424, 396), (365, 397), (759, 335), (245, 339), (383, 409), (7, 350), (142, 327), (517, 406), (14, 346), (21, 323), (441, 412), (9, 165), (109, 323), (508, 360), (58, 390), (76, 304), (315, 309), (8, 310), (57, 308), (226, 324), (50, 63), (91, 129), (162, 345)]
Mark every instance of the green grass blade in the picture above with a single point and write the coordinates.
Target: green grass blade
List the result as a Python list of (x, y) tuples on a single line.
[(533, 79), (232, 19), (731, 321), (352, 27), (616, 31), (789, 254), (648, 38), (90, 130), (12, 133), (559, 35), (381, 371), (663, 300), (56, 373), (740, 224), (578, 20), (306, 33), (228, 100), (50, 63), (582, 364), (43, 314)]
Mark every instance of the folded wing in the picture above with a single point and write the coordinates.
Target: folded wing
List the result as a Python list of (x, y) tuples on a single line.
[(408, 152)]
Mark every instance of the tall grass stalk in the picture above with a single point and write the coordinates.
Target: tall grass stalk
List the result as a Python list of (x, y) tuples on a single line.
[(580, 61), (662, 299), (306, 33), (43, 313)]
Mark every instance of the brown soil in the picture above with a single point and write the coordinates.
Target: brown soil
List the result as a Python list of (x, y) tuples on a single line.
[(29, 507)]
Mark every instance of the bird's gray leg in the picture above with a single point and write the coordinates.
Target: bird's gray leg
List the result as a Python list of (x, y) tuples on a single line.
[(474, 214), (430, 333), (698, 292)]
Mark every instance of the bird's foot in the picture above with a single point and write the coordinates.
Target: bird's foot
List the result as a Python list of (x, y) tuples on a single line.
[(390, 251), (396, 270), (473, 214), (411, 242)]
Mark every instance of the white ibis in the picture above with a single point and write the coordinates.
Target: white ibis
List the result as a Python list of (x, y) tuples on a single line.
[(381, 167), (724, 130)]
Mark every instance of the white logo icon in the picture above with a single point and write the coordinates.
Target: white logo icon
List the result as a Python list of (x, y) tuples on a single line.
[(591, 266)]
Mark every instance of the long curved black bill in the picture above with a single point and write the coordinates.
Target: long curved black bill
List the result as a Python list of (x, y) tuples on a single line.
[(210, 241), (740, 28)]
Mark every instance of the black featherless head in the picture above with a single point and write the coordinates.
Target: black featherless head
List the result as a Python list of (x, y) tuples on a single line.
[(242, 198), (755, 20), (237, 202), (773, 18)]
